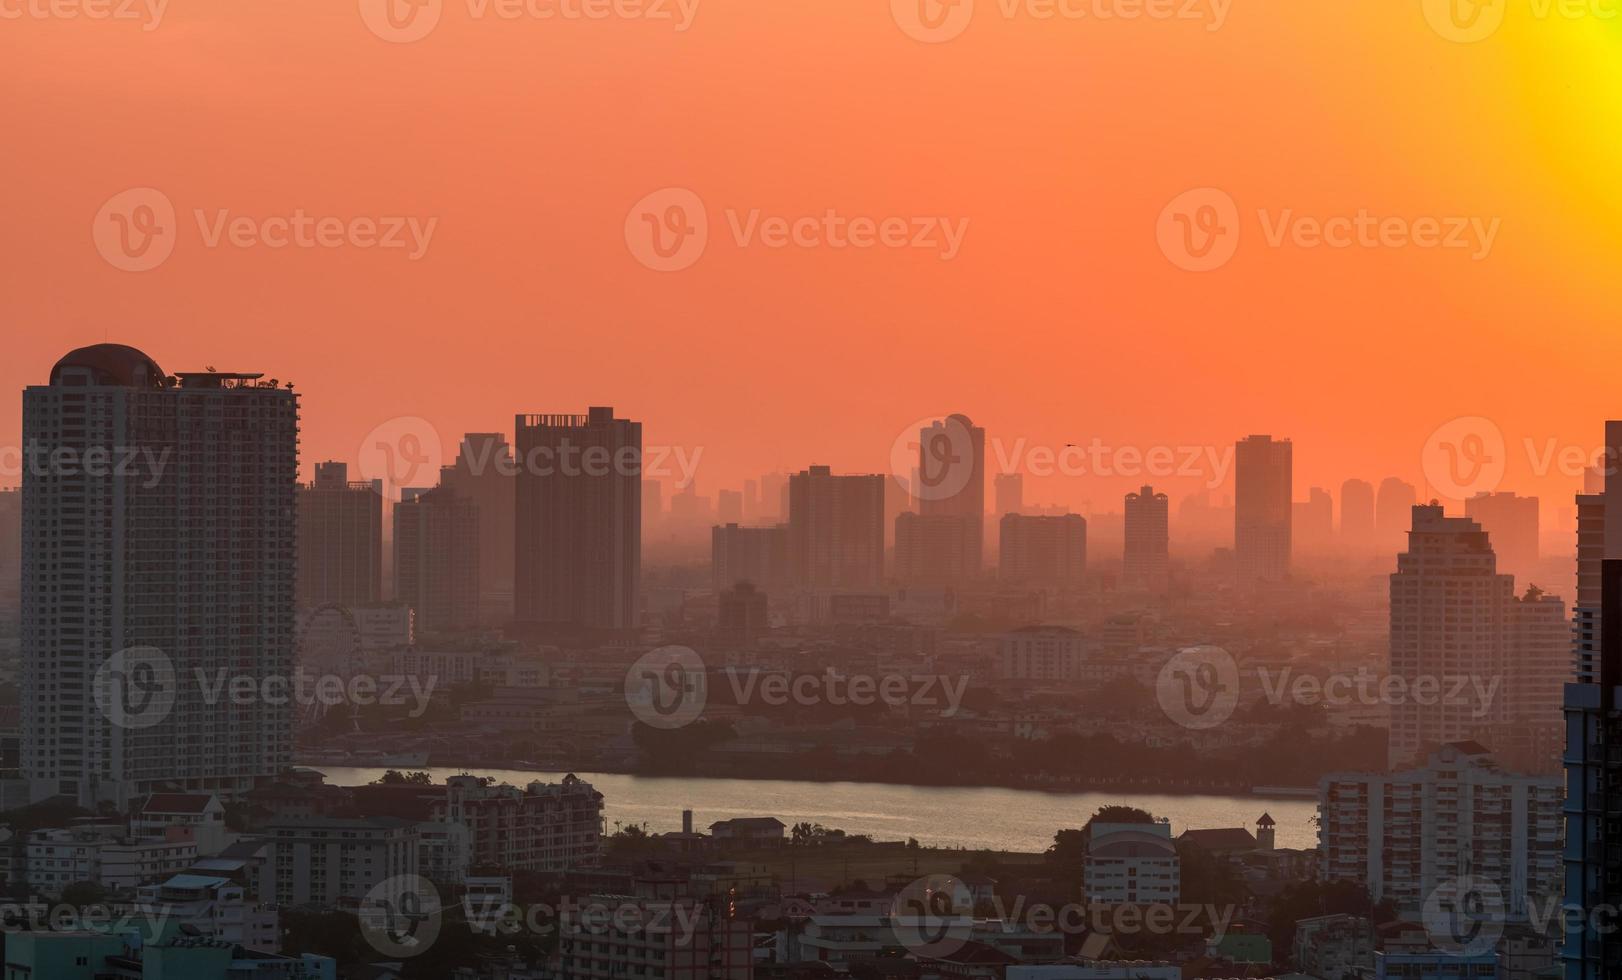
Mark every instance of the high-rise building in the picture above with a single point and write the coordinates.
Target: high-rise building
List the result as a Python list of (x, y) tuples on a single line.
[(578, 551), (952, 480), (1357, 516), (1391, 510), (11, 549), (741, 614), (1313, 522), (484, 472), (1455, 815), (1531, 735), (1044, 551), (932, 549), (728, 506), (1593, 712), (1010, 493), (1146, 561), (436, 560), (1449, 609), (758, 555), (1512, 521), (836, 529), (140, 578), (653, 502), (340, 540), (1262, 498)]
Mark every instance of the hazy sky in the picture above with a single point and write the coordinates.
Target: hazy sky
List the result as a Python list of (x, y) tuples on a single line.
[(1037, 285)]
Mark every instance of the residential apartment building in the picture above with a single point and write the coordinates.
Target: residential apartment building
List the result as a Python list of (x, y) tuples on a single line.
[(1047, 552), (340, 540)]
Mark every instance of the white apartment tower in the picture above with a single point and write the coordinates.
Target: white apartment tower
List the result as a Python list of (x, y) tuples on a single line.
[(159, 550)]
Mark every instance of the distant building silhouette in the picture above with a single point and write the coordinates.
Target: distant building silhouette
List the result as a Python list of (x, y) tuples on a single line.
[(749, 554), (932, 549), (1050, 552), (1512, 521), (952, 481), (484, 473), (1392, 508), (728, 506), (182, 562), (836, 529), (1262, 512), (741, 614), (436, 560), (340, 532), (1010, 493), (1357, 516), (1146, 560), (578, 553), (1313, 521)]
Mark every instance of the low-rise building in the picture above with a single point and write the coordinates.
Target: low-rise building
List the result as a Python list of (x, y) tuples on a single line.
[(334, 862)]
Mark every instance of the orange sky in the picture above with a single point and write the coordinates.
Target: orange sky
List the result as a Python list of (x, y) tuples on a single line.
[(1059, 141)]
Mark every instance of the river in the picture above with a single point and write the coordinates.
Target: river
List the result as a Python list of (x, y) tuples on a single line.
[(956, 816)]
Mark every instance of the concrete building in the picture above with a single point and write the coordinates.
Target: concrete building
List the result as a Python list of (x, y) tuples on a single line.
[(1357, 516), (1009, 490), (836, 530), (1047, 552), (334, 862), (1392, 505), (198, 814), (1041, 653), (213, 906), (542, 827), (1131, 864), (1313, 522), (59, 857), (578, 552), (162, 540), (1512, 522), (1262, 511), (933, 549), (1146, 560), (1460, 815), (681, 939), (340, 540), (741, 615), (436, 560), (759, 555)]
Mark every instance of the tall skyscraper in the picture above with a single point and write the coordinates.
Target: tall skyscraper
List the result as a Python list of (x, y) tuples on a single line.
[(141, 578), (1262, 513), (11, 550), (836, 529), (1512, 521), (1449, 608), (1046, 551), (1391, 511), (578, 552), (436, 560), (931, 549), (1593, 712), (952, 480), (1010, 493), (484, 473), (1357, 516), (340, 540), (1146, 561)]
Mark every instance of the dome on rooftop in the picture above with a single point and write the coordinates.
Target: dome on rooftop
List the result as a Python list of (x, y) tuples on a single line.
[(112, 364)]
